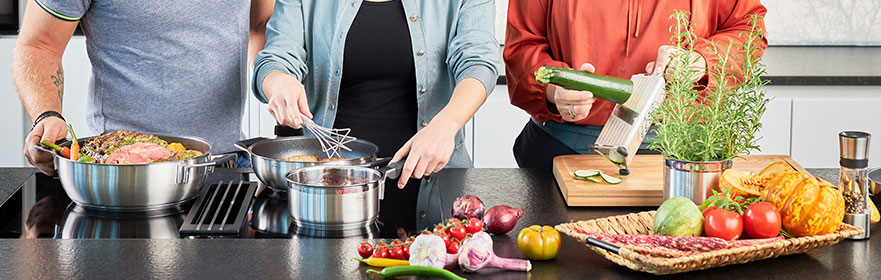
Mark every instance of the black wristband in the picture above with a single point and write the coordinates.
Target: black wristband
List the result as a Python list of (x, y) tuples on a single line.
[(47, 114)]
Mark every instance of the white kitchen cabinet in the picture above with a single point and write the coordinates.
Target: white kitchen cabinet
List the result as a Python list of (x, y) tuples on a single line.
[(776, 126), (496, 126), (14, 120), (817, 122)]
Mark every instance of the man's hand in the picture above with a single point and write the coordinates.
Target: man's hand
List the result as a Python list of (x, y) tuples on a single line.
[(50, 129), (574, 105), (287, 99), (665, 54)]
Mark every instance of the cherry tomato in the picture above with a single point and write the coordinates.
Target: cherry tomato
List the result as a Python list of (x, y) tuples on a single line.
[(410, 240), (474, 225), (425, 232), (458, 232), (438, 228), (380, 253), (445, 237), (455, 221), (723, 224), (406, 251), (397, 253), (365, 249), (453, 247), (762, 220), (396, 243)]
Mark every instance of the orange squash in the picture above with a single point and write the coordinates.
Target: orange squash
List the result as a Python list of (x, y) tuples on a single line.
[(808, 205), (740, 183)]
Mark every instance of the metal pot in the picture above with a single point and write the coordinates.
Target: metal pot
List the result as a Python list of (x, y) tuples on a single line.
[(337, 198), (80, 223), (137, 187), (694, 180), (266, 154)]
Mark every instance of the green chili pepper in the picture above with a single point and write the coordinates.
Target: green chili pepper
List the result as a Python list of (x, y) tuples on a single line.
[(53, 146), (415, 270)]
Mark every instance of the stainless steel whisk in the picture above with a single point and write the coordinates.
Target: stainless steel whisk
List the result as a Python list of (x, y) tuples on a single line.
[(331, 139)]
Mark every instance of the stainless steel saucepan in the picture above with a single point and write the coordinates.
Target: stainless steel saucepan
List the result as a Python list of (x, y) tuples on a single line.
[(266, 155), (337, 198), (137, 187)]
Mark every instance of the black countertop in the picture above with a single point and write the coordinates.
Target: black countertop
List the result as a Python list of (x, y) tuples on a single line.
[(309, 258)]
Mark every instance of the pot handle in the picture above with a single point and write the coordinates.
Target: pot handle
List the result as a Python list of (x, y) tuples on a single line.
[(41, 148), (245, 144), (183, 174), (378, 162), (391, 171)]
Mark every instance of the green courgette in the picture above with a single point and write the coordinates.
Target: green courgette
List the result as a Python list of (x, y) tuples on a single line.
[(603, 87)]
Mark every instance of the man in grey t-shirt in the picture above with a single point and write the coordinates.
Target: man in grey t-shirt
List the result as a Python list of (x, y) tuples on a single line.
[(163, 66)]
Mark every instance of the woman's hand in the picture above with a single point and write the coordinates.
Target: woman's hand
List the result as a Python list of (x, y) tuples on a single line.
[(666, 53), (50, 129), (428, 151), (574, 105), (287, 99)]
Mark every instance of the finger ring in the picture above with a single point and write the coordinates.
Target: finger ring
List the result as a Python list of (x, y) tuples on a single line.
[(572, 111)]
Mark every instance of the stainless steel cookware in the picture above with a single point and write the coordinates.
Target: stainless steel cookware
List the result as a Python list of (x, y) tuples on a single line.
[(692, 179), (266, 156), (137, 187), (337, 198)]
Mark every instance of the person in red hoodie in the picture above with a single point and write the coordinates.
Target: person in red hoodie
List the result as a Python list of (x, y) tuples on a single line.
[(613, 38)]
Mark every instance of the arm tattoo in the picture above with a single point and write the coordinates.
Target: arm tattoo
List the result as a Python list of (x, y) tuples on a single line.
[(58, 80)]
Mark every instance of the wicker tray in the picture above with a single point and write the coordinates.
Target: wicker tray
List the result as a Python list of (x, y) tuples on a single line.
[(641, 223)]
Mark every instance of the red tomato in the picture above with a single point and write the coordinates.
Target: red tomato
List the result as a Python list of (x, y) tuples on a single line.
[(406, 251), (397, 253), (455, 221), (458, 232), (762, 220), (396, 243), (425, 232), (411, 239), (474, 225), (365, 249), (438, 228), (445, 237), (723, 224), (453, 247), (708, 210), (380, 253)]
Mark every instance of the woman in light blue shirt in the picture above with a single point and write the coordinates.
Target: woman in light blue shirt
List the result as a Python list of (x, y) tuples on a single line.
[(422, 65)]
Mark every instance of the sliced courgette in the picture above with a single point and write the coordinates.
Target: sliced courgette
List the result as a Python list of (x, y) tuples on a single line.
[(610, 179), (603, 87), (595, 179), (616, 157), (583, 173)]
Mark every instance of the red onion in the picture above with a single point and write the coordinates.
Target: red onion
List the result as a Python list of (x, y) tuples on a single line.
[(500, 219), (468, 206)]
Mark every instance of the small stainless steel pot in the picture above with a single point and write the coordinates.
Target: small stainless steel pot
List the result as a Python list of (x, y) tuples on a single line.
[(266, 154), (691, 179), (137, 187), (337, 198), (875, 181)]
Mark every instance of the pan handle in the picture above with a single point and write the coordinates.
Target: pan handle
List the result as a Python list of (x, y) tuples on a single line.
[(183, 174), (391, 171), (245, 144)]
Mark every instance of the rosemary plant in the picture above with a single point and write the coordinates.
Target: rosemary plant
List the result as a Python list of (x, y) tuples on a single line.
[(716, 122)]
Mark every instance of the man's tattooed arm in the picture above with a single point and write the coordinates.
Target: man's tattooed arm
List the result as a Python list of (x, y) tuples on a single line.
[(58, 80)]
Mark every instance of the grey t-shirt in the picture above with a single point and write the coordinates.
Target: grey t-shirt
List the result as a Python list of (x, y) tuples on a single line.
[(164, 66)]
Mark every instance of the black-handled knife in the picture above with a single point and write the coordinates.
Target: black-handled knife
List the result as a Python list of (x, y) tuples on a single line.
[(602, 244)]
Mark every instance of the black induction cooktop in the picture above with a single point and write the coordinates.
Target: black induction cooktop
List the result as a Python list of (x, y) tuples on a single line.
[(41, 209)]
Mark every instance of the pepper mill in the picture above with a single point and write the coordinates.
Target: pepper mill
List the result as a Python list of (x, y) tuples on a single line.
[(854, 183)]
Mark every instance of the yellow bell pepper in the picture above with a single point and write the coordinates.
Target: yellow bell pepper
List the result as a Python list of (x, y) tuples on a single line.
[(382, 262), (539, 243)]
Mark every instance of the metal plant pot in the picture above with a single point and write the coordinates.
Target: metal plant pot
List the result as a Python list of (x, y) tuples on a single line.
[(692, 180)]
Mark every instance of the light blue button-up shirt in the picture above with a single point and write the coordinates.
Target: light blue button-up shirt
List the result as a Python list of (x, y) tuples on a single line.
[(452, 40)]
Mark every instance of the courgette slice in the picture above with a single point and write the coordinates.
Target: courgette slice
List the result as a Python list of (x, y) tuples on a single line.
[(584, 173), (603, 87), (616, 157), (595, 179), (610, 179)]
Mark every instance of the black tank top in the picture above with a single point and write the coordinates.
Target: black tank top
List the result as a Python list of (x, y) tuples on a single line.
[(377, 97)]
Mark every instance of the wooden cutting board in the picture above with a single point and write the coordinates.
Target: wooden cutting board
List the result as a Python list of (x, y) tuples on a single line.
[(643, 187)]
